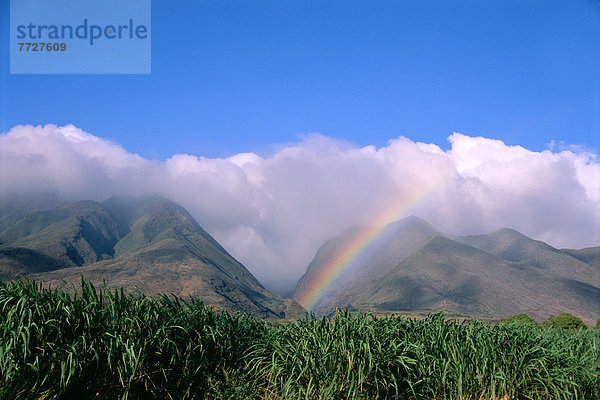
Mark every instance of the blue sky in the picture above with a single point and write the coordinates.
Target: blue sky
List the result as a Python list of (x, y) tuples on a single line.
[(239, 76)]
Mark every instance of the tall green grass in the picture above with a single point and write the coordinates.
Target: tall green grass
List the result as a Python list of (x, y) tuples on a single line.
[(111, 345)]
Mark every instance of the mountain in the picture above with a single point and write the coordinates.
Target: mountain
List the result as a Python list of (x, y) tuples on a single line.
[(589, 255), (412, 267), (67, 236), (148, 244), (397, 241), (511, 245)]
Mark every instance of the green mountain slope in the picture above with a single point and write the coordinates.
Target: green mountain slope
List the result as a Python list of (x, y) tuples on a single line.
[(71, 235), (149, 244)]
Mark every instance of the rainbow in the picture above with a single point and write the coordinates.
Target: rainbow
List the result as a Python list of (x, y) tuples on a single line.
[(328, 274)]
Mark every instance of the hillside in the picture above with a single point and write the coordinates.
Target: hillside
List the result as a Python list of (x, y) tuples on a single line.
[(416, 268), (148, 244), (397, 241), (589, 255)]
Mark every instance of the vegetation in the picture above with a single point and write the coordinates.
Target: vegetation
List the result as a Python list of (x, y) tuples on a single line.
[(519, 319), (108, 240), (565, 321), (111, 345)]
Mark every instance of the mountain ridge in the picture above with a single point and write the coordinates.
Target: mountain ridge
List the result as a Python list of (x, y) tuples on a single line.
[(490, 275), (148, 244)]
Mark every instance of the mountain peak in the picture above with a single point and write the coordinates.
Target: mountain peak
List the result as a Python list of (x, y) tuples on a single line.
[(509, 232), (145, 243), (416, 268), (378, 256), (412, 222)]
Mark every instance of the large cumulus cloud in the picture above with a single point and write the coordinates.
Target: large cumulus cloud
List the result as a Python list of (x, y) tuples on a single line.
[(272, 212)]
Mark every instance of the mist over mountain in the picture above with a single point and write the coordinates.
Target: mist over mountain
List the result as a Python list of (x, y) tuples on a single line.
[(413, 267), (145, 243), (273, 209), (155, 246)]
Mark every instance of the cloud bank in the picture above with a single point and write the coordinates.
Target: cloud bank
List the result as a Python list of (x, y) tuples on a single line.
[(273, 212)]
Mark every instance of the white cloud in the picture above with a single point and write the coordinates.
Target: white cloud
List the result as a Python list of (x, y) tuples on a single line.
[(273, 212)]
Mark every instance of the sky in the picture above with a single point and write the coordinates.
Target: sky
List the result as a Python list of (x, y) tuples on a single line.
[(238, 76), (279, 124)]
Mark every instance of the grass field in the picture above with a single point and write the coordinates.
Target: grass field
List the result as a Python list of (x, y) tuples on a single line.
[(112, 345)]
